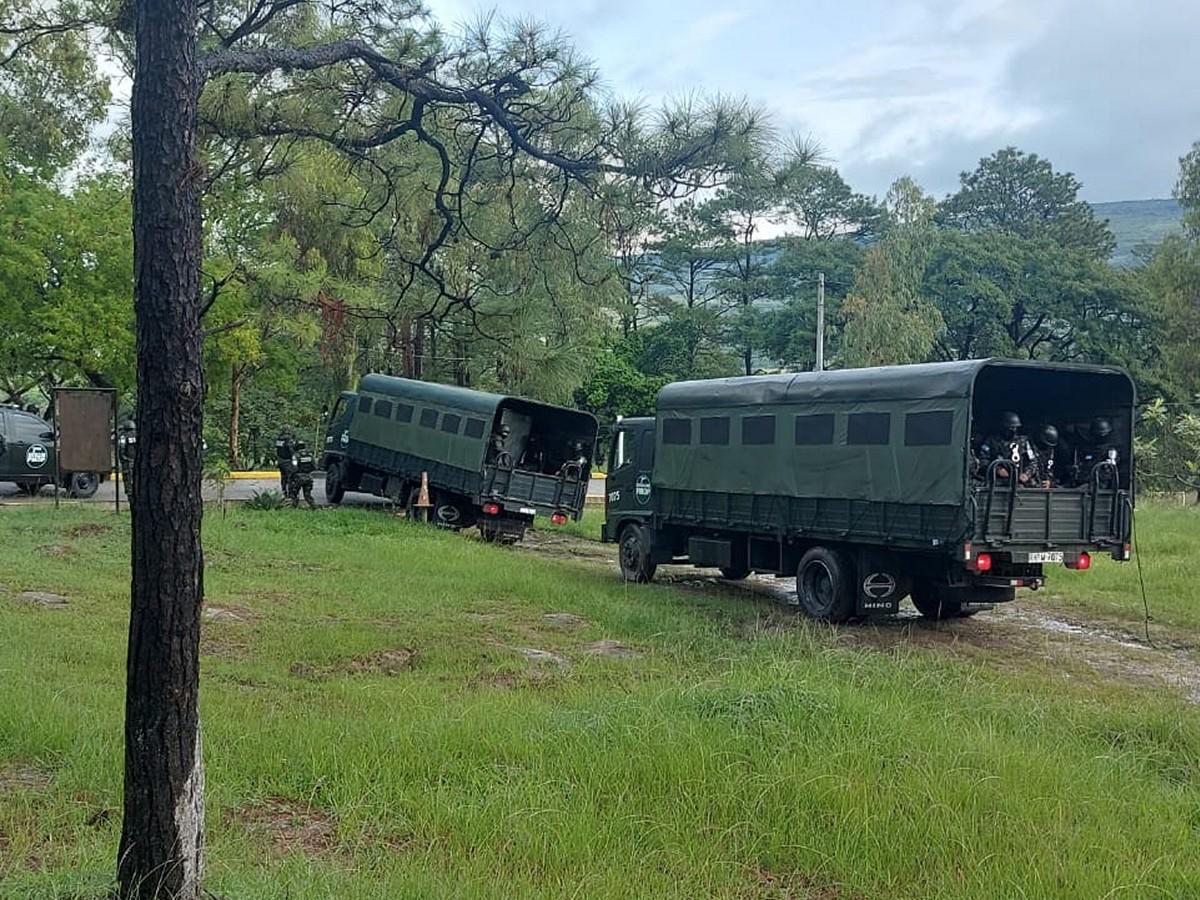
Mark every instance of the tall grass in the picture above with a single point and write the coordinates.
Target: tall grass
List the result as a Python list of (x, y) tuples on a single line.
[(720, 748)]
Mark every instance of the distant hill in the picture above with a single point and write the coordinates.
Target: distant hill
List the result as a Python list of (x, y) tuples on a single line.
[(1138, 222)]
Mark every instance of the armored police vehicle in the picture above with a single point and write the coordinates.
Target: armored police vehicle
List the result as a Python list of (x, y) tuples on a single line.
[(867, 484), (491, 460), (27, 455)]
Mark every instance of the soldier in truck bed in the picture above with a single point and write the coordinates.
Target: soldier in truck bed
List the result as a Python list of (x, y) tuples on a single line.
[(1048, 446), (1093, 454), (1012, 451)]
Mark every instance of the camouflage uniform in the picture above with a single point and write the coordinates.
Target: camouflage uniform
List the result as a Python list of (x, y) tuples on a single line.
[(1017, 459), (1097, 449), (126, 450), (302, 477), (284, 454)]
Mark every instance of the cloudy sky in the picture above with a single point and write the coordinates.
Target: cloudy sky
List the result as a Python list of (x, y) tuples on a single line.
[(1108, 89)]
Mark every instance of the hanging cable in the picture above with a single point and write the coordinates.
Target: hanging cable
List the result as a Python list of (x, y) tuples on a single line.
[(1141, 577)]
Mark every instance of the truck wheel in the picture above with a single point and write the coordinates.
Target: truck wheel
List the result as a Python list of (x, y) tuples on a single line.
[(634, 553), (335, 489), (824, 585), (935, 602), (83, 485), (734, 573)]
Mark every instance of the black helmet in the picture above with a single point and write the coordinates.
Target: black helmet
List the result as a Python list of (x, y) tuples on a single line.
[(1100, 428), (300, 445), (128, 425), (1011, 422), (1048, 436)]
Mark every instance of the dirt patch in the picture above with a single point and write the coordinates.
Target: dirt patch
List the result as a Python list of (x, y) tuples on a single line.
[(565, 620), (549, 657), (224, 646), (24, 778), (611, 649), (88, 530), (229, 614), (765, 623), (767, 885), (43, 598), (383, 662), (567, 546), (288, 825)]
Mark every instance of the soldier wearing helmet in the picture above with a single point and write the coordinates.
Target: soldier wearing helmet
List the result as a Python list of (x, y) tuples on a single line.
[(1011, 451), (1046, 443), (1097, 456), (303, 466), (498, 453), (126, 450), (285, 452)]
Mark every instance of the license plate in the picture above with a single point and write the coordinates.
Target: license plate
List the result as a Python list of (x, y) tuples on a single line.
[(530, 511), (1052, 556)]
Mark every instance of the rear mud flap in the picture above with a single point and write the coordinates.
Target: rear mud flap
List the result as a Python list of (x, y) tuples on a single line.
[(880, 586)]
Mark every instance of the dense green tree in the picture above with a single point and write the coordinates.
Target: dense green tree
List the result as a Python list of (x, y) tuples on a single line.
[(889, 318), (787, 329), (1187, 189), (51, 90), (1020, 194), (66, 292)]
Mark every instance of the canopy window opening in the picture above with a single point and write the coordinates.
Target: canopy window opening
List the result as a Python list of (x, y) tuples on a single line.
[(545, 440), (1071, 420)]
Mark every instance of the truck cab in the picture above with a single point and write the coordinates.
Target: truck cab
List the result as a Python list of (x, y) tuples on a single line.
[(628, 489), (27, 455)]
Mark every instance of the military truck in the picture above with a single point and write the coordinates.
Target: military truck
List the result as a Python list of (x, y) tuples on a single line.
[(27, 456), (491, 460), (864, 483)]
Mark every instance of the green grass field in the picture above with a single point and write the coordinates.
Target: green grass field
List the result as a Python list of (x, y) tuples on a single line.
[(391, 711)]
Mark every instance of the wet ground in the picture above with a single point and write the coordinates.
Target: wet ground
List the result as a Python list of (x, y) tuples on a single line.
[(236, 491), (1009, 636)]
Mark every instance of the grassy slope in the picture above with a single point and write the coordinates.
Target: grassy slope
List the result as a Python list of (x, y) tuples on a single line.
[(742, 754), (1137, 223), (1168, 544)]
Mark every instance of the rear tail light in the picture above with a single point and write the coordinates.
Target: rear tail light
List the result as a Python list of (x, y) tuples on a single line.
[(491, 509), (1082, 562), (983, 562), (558, 519)]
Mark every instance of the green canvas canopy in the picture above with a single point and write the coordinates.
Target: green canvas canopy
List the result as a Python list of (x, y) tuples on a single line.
[(895, 433), (442, 395)]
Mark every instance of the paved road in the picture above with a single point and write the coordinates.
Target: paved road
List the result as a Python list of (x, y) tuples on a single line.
[(237, 490)]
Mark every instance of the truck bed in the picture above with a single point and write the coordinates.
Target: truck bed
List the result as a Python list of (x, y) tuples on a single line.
[(1052, 518), (547, 493)]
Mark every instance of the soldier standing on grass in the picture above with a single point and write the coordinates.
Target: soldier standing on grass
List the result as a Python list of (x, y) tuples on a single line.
[(126, 449), (302, 476), (284, 453)]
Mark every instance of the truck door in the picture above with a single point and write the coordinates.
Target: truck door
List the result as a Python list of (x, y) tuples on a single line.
[(627, 490), (28, 447), (337, 431)]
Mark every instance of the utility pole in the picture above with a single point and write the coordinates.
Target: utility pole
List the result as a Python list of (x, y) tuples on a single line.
[(820, 366)]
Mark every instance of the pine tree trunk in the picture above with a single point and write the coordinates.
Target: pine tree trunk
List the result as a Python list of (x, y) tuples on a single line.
[(235, 415), (162, 829)]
